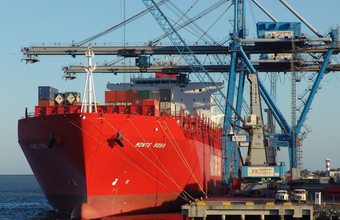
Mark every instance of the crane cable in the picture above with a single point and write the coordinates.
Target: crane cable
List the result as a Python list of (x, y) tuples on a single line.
[(198, 28), (191, 7), (213, 24), (170, 178), (181, 14), (181, 155), (81, 43), (195, 18), (253, 15), (139, 168), (217, 56)]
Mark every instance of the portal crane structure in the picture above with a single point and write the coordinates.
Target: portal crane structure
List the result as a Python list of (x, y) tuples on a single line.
[(188, 55), (291, 134), (257, 152), (269, 45)]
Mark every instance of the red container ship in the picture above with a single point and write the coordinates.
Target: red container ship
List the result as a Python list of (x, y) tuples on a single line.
[(130, 156)]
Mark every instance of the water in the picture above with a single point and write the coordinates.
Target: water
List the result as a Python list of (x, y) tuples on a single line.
[(22, 198)]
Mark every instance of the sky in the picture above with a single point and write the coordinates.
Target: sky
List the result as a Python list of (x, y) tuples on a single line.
[(34, 22)]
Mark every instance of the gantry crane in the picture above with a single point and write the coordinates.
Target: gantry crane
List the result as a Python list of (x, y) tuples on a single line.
[(240, 49), (257, 153), (237, 52)]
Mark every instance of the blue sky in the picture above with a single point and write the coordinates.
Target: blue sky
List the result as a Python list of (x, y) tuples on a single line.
[(41, 21)]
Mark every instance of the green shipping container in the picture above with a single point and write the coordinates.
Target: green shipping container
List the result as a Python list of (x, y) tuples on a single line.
[(143, 94)]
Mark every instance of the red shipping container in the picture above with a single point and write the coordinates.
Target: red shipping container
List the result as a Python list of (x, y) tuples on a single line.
[(150, 110), (131, 96), (150, 102), (110, 96), (121, 96)]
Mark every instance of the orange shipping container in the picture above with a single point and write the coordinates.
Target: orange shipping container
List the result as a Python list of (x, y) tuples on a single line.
[(46, 102), (121, 96), (110, 96), (131, 96)]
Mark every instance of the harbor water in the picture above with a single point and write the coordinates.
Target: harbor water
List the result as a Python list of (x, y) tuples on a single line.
[(22, 198)]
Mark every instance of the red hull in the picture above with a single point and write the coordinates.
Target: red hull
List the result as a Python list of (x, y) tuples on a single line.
[(156, 165)]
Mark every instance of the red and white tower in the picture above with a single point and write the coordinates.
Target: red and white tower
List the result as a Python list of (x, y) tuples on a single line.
[(328, 166)]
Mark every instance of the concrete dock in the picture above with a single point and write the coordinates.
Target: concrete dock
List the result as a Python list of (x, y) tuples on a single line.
[(246, 210)]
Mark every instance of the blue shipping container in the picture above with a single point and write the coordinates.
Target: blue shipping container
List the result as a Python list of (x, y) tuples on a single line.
[(47, 92), (263, 27)]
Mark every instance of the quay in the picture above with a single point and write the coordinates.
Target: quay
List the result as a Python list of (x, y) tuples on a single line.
[(242, 210)]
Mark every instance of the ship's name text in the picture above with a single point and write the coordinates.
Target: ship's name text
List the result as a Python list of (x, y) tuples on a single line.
[(146, 145)]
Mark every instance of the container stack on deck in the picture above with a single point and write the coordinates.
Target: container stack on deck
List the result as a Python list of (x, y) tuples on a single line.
[(49, 96), (143, 98), (46, 95)]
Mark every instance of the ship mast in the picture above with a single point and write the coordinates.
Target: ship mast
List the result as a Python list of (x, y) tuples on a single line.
[(89, 85)]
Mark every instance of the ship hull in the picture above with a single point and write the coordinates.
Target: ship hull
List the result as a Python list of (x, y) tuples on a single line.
[(117, 163)]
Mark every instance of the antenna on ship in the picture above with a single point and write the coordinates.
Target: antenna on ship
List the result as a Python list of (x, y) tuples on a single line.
[(89, 85)]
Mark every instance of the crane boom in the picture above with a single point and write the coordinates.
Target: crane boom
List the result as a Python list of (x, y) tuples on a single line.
[(189, 57)]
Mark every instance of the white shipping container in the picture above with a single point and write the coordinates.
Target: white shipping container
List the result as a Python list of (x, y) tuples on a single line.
[(167, 106), (154, 94), (278, 34), (279, 56)]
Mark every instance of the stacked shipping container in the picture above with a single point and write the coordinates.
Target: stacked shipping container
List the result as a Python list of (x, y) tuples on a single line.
[(49, 96), (143, 97), (135, 97), (46, 95)]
